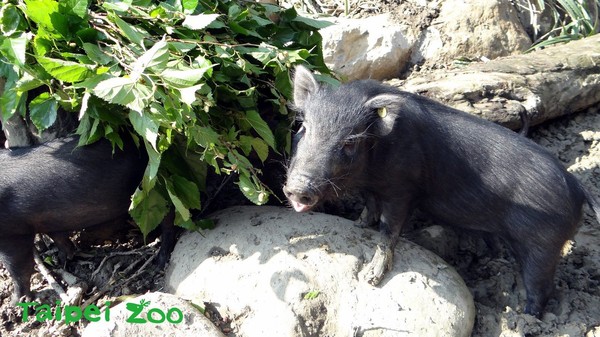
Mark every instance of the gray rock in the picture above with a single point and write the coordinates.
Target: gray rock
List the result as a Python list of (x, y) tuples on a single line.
[(382, 46), (192, 322), (275, 272), (377, 47), (472, 29)]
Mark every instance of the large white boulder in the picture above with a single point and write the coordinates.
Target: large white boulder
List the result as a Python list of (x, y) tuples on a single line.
[(162, 315), (275, 272), (382, 46), (377, 47)]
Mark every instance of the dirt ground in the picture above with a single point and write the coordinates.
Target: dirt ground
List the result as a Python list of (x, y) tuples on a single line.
[(494, 279), (492, 276)]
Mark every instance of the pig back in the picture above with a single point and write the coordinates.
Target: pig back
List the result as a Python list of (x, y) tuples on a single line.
[(58, 186), (485, 177)]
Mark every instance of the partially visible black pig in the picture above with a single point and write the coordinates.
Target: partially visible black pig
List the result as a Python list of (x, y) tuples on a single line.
[(404, 151), (56, 188)]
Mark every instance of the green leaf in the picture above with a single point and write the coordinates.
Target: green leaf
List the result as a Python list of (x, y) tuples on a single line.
[(134, 34), (187, 191), (204, 136), (148, 209), (42, 43), (74, 7), (66, 71), (28, 82), (188, 95), (261, 127), (13, 48), (236, 27), (251, 190), (10, 100), (189, 6), (184, 194), (43, 110), (96, 54), (311, 295), (145, 126), (124, 91), (183, 78), (261, 148), (155, 58), (154, 161), (200, 21), (317, 24), (11, 20), (205, 224), (117, 5), (41, 12), (182, 211)]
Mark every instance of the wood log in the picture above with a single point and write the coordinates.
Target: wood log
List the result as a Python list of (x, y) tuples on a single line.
[(544, 84), (14, 128)]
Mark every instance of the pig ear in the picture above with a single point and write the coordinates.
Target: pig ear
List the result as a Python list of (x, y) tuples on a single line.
[(304, 85), (386, 108)]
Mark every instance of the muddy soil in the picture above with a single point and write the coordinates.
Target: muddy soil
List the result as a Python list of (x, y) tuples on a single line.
[(494, 279), (491, 274)]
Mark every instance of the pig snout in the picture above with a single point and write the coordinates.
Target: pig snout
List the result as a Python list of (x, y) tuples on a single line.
[(301, 193)]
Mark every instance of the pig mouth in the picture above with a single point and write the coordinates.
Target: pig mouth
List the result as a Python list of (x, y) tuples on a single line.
[(300, 207), (302, 197)]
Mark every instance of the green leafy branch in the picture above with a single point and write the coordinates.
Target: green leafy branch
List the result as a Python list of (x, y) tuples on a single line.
[(202, 84)]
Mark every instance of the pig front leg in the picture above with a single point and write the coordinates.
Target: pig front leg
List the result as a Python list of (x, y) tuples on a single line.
[(370, 215), (390, 225), (16, 253)]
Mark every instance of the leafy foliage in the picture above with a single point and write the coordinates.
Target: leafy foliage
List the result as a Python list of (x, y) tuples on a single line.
[(202, 83), (571, 19)]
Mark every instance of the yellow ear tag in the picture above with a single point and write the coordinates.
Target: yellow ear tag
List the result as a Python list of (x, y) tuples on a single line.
[(382, 112)]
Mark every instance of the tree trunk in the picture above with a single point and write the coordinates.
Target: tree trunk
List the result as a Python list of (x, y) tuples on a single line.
[(544, 84), (15, 129)]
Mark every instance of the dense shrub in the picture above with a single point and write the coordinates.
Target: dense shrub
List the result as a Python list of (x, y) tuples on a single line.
[(201, 84)]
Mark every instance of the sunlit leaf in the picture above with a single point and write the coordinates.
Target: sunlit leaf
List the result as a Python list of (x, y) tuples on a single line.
[(134, 34), (148, 210), (124, 91), (200, 21), (96, 54), (43, 110), (251, 190), (11, 20), (62, 70), (13, 48), (183, 78), (144, 125), (156, 57)]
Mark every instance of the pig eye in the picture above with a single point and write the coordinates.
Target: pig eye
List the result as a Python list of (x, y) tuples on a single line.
[(349, 147), (301, 131), (296, 138)]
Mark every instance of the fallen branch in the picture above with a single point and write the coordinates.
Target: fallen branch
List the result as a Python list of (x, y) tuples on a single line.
[(48, 276), (544, 84)]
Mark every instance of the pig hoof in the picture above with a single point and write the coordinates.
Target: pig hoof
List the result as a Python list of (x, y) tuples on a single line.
[(361, 223), (375, 270), (366, 220)]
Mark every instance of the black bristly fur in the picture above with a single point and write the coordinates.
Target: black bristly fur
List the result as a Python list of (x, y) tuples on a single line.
[(459, 169)]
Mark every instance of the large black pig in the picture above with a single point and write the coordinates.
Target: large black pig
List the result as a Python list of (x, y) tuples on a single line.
[(57, 187), (404, 151)]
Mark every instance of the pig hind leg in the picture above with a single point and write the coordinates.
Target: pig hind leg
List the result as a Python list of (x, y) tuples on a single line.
[(16, 253), (538, 265)]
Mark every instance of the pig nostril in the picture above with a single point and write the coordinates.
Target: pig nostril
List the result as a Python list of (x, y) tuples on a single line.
[(306, 200)]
